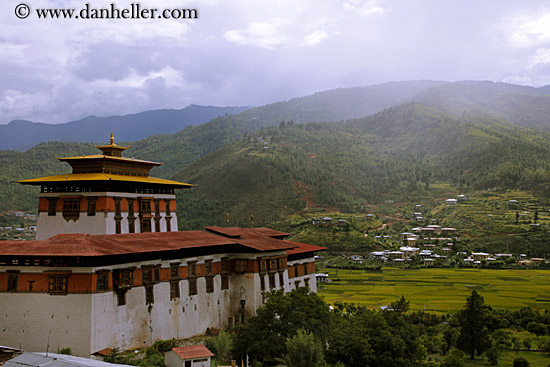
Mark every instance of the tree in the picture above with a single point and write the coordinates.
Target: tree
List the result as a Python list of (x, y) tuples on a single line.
[(454, 359), (521, 362), (400, 306), (303, 350), (537, 328), (493, 355), (474, 335), (263, 336)]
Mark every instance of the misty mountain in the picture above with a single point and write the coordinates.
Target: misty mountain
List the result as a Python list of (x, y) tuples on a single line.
[(526, 106), (21, 135), (395, 153), (440, 133)]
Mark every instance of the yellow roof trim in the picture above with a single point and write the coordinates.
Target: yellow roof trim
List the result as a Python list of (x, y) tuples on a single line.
[(101, 156), (102, 177)]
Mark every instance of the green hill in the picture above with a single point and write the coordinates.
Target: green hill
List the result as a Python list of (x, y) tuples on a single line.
[(396, 153)]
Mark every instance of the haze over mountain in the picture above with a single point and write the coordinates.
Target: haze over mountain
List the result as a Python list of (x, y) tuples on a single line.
[(22, 135), (262, 162)]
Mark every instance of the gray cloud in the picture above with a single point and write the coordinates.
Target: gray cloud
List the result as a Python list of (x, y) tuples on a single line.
[(245, 52)]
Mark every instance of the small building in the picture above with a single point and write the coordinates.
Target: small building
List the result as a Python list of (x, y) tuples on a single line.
[(326, 221), (322, 278), (396, 255), (428, 261), (409, 252), (189, 356), (513, 203), (342, 222), (451, 201), (358, 259), (478, 256), (462, 197)]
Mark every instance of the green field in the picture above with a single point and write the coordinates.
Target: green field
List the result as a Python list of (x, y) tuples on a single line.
[(439, 290)]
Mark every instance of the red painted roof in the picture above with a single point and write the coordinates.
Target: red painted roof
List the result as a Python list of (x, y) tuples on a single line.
[(193, 351), (238, 231), (120, 244), (303, 247)]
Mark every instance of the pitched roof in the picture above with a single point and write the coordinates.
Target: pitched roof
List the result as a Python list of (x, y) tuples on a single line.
[(84, 245), (193, 351), (71, 177), (303, 248)]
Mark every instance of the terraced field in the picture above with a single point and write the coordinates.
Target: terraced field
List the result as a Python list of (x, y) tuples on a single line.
[(439, 290)]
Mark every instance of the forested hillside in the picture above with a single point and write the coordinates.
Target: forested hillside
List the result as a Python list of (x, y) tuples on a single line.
[(263, 162), (347, 165)]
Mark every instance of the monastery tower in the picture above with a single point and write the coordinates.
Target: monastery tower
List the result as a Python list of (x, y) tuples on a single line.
[(106, 194)]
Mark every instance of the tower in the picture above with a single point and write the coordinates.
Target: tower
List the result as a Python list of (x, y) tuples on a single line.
[(106, 194)]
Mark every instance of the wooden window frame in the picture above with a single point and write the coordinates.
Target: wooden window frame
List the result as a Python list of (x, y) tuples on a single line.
[(209, 284), (13, 277), (58, 284), (102, 280), (192, 286), (71, 208)]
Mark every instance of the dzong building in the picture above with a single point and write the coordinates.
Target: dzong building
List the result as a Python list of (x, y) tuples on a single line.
[(110, 270)]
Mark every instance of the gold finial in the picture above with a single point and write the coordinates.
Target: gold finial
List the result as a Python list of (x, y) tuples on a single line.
[(112, 138)]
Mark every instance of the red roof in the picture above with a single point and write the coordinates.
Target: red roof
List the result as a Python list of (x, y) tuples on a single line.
[(193, 351), (238, 231), (80, 244), (303, 247)]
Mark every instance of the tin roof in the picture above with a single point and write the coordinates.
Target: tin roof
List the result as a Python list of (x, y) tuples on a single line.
[(193, 351), (29, 359)]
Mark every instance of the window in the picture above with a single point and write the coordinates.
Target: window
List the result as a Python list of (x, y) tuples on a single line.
[(271, 281), (187, 363), (71, 209), (123, 278), (145, 225), (58, 284), (305, 269), (282, 263), (209, 284), (92, 206), (208, 266), (272, 264), (12, 281), (174, 271), (174, 289), (145, 206), (225, 281), (281, 280), (263, 266), (121, 298), (103, 280), (192, 269), (192, 286), (150, 274), (52, 206), (149, 294), (262, 282), (306, 281)]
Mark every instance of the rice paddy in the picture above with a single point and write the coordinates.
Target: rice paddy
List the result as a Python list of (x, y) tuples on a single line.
[(439, 290)]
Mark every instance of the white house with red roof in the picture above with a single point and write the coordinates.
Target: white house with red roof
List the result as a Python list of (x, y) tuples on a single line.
[(188, 356), (117, 289)]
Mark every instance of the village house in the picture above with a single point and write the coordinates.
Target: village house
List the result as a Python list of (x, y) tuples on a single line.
[(188, 356), (109, 269)]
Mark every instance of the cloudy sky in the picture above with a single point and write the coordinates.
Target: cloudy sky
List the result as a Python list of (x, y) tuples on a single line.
[(253, 52)]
